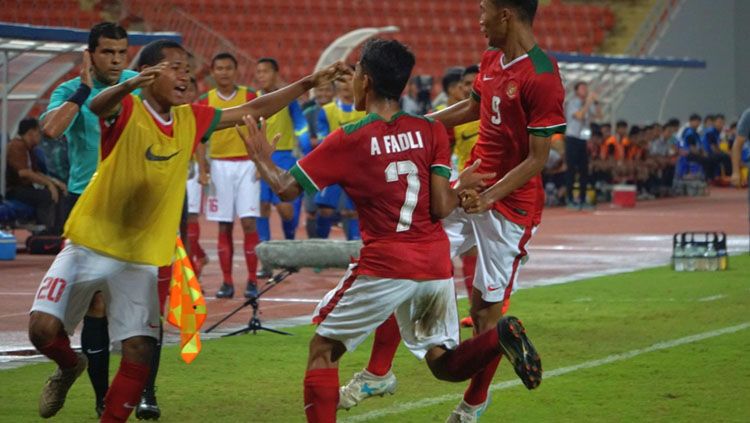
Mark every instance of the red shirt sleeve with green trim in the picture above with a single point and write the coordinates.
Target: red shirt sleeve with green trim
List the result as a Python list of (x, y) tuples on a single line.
[(441, 163), (206, 119), (542, 101), (323, 166)]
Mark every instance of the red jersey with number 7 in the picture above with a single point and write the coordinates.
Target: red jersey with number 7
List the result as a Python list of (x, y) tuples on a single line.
[(518, 99), (385, 167)]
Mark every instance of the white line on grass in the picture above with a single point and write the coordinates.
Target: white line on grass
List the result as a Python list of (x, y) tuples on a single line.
[(712, 298), (414, 405)]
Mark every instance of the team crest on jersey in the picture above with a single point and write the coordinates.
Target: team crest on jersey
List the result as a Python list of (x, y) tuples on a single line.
[(511, 90)]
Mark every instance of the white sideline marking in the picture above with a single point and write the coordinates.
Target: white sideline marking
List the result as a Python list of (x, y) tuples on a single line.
[(409, 406), (712, 298)]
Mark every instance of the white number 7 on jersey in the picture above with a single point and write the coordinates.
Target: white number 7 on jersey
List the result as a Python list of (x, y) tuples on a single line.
[(411, 171)]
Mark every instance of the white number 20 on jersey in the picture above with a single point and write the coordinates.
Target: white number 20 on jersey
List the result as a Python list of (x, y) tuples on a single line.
[(496, 119), (392, 173)]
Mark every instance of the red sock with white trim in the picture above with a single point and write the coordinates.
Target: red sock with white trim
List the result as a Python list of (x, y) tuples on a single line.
[(321, 395), (226, 251), (472, 355), (479, 387), (125, 391), (251, 241), (469, 269), (387, 338), (60, 352)]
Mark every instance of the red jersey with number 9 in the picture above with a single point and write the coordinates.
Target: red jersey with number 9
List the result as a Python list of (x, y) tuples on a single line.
[(385, 167), (518, 99)]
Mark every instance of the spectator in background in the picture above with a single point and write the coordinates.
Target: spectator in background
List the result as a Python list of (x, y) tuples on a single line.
[(741, 148), (606, 130), (56, 153), (691, 146), (663, 152), (613, 147), (711, 144), (321, 96), (708, 123), (27, 184), (579, 112), (409, 101)]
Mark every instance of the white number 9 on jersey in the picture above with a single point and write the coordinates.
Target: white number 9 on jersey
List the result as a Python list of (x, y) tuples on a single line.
[(496, 119)]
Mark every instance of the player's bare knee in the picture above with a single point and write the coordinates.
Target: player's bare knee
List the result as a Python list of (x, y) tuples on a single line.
[(248, 225), (286, 211), (326, 211), (265, 209), (324, 352), (226, 227), (435, 359), (138, 349), (43, 328), (97, 307)]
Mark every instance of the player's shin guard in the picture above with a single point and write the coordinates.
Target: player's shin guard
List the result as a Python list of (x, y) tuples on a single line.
[(469, 269), (352, 230), (387, 339), (60, 352), (125, 393), (477, 391), (251, 241), (264, 229), (321, 395), (470, 357), (95, 344), (226, 251)]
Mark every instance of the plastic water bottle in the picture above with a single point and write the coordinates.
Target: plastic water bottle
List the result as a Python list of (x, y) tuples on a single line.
[(689, 257), (711, 256), (700, 258), (679, 259)]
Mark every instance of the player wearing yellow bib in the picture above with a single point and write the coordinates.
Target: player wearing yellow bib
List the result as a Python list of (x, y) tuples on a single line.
[(235, 191), (292, 125), (124, 224), (331, 117)]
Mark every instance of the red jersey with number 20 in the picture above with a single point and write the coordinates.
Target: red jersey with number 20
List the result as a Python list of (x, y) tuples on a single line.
[(385, 167), (518, 99)]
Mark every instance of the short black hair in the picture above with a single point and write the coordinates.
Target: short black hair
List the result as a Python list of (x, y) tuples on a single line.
[(153, 52), (606, 125), (720, 116), (224, 56), (526, 8), (452, 76), (471, 70), (674, 123), (621, 124), (634, 130), (107, 30), (578, 84), (389, 64), (27, 124), (270, 60), (709, 117), (695, 116)]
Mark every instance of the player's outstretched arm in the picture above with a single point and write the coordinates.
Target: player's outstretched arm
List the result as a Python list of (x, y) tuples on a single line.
[(260, 151), (462, 112), (66, 107), (107, 103), (268, 105), (516, 178)]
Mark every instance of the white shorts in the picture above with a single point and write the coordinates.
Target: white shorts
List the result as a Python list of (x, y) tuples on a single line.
[(425, 311), (501, 246), (194, 192), (129, 292), (234, 191)]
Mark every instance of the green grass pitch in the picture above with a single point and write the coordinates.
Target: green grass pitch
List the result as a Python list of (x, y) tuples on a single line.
[(259, 378)]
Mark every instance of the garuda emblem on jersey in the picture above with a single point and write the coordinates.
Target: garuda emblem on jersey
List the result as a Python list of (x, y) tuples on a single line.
[(511, 90)]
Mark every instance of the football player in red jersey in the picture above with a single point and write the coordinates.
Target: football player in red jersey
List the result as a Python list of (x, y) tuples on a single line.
[(518, 98), (395, 167)]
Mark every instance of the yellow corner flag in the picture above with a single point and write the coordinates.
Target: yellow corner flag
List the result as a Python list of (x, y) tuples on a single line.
[(187, 306)]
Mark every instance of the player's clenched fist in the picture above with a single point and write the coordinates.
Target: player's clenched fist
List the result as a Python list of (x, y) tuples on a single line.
[(255, 139)]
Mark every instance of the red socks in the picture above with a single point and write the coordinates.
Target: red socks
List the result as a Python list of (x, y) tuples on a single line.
[(471, 356), (163, 278), (251, 240), (479, 387), (321, 395), (469, 268), (194, 234), (125, 391), (226, 251), (387, 338), (60, 352)]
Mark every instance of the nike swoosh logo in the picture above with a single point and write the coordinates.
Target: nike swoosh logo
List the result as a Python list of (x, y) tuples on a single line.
[(493, 289), (484, 78), (94, 351), (470, 136), (153, 326), (127, 405), (154, 158)]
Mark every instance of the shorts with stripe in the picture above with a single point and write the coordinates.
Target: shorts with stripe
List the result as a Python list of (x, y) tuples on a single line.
[(501, 246), (425, 310), (194, 192), (234, 191)]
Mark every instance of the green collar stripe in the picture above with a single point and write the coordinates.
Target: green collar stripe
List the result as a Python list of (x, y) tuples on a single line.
[(374, 117)]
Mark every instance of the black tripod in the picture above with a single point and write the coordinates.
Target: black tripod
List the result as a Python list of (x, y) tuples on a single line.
[(254, 325)]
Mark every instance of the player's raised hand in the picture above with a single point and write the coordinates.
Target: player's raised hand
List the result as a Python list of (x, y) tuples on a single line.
[(86, 70), (331, 73), (147, 76), (255, 139), (469, 179)]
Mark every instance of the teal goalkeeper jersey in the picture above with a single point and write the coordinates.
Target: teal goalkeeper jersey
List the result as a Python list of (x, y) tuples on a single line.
[(83, 133)]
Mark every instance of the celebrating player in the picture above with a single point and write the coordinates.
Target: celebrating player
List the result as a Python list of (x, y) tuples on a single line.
[(125, 222), (396, 169), (518, 98), (234, 191), (68, 113)]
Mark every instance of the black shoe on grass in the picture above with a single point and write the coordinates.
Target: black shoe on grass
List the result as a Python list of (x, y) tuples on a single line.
[(520, 351)]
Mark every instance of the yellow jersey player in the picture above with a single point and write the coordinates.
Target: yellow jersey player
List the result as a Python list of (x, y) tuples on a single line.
[(123, 226)]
